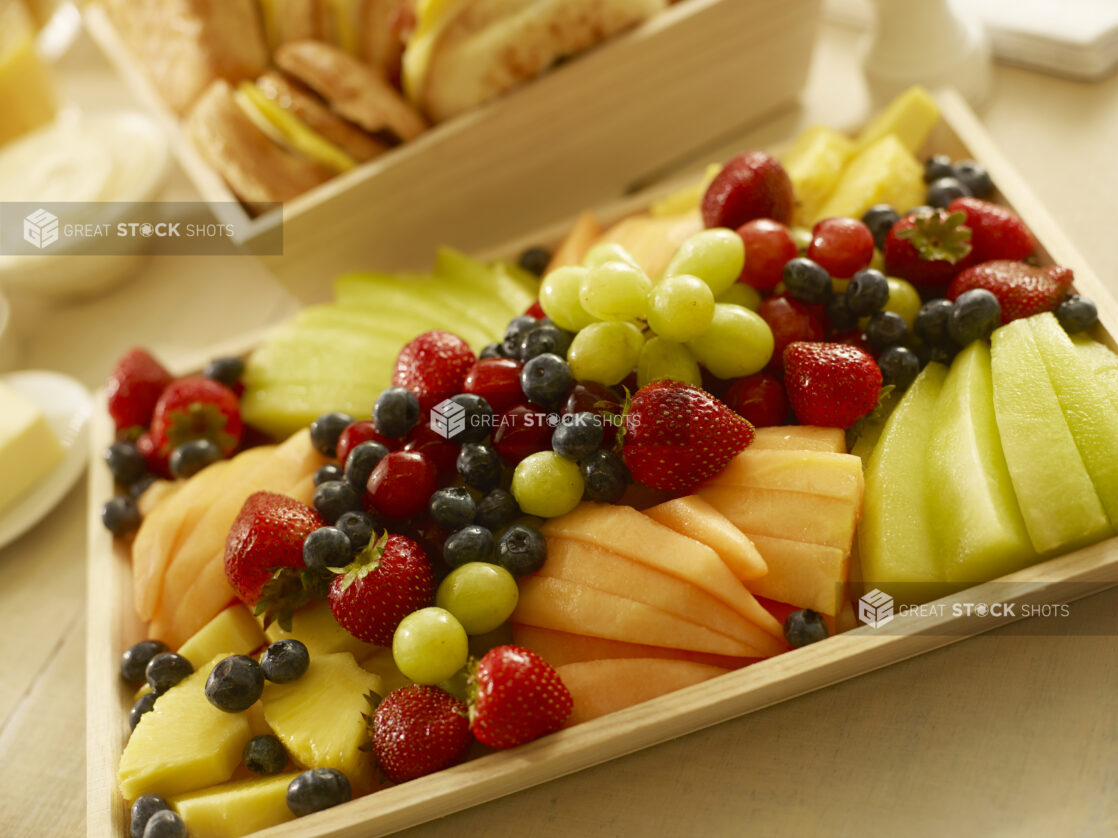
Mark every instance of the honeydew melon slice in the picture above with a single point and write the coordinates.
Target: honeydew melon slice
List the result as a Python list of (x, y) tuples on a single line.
[(1102, 361)]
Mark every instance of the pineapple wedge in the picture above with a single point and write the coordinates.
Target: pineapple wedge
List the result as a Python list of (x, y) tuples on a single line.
[(815, 163), (910, 117), (319, 717), (237, 808), (234, 629), (884, 172), (184, 743), (316, 627)]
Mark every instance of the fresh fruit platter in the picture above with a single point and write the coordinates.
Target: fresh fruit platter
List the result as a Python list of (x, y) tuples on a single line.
[(397, 559)]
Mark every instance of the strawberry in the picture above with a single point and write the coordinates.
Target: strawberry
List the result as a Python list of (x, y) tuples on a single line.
[(197, 408), (418, 730), (928, 248), (264, 553), (830, 384), (1023, 290), (676, 435), (433, 366), (515, 696), (134, 387), (388, 580), (996, 231)]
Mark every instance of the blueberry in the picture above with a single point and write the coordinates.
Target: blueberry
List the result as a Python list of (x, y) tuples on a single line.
[(545, 338), (534, 260), (938, 166), (886, 328), (317, 789), (943, 191), (325, 431), (396, 411), (285, 661), (521, 550), (328, 472), (334, 498), (145, 806), (899, 366), (880, 218), (472, 543), (264, 754), (975, 315), (546, 379), (839, 315), (930, 324), (497, 509), (514, 335), (578, 435), (605, 476), (165, 670), (235, 684), (361, 461), (491, 350), (975, 177), (807, 280), (1076, 314), (358, 527), (867, 292), (453, 508), (136, 658), (144, 703), (193, 456), (125, 462), (121, 516), (165, 824), (477, 418), (227, 370), (327, 547), (479, 465), (803, 627)]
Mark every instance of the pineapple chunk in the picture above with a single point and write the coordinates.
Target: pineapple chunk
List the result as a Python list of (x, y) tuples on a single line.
[(237, 808), (184, 743), (910, 117), (815, 163), (382, 664), (319, 716), (316, 627), (234, 629), (884, 172), (686, 198)]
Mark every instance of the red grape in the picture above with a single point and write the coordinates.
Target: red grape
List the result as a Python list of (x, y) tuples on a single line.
[(842, 246), (497, 380), (402, 484), (760, 398), (442, 452), (768, 247), (590, 397), (362, 431), (791, 320), (521, 431)]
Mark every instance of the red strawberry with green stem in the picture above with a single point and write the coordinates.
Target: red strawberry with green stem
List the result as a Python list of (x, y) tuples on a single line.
[(997, 232), (1022, 290), (197, 408), (388, 580), (928, 248), (676, 435), (433, 366), (134, 387), (515, 696), (830, 384), (418, 730)]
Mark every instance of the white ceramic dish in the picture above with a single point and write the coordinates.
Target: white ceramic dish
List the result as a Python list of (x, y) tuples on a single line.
[(67, 406)]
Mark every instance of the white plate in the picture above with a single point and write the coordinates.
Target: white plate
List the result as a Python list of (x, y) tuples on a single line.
[(66, 405)]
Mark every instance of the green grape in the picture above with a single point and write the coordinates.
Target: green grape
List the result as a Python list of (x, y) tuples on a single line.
[(430, 645), (903, 299), (605, 352), (480, 595), (715, 256), (878, 261), (615, 291), (680, 307), (662, 358), (547, 485), (743, 295), (559, 298), (737, 342), (604, 252)]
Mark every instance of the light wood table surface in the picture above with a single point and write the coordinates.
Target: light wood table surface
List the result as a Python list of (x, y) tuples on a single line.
[(1010, 733)]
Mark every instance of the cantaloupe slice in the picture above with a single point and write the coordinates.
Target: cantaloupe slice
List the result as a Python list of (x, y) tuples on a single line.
[(596, 567), (799, 438), (653, 240), (578, 242), (812, 472), (604, 686), (561, 647), (802, 574), (795, 516), (692, 516), (184, 613), (565, 606), (635, 536)]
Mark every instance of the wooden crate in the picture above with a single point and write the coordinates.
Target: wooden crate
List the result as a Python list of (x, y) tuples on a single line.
[(113, 625), (583, 133)]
